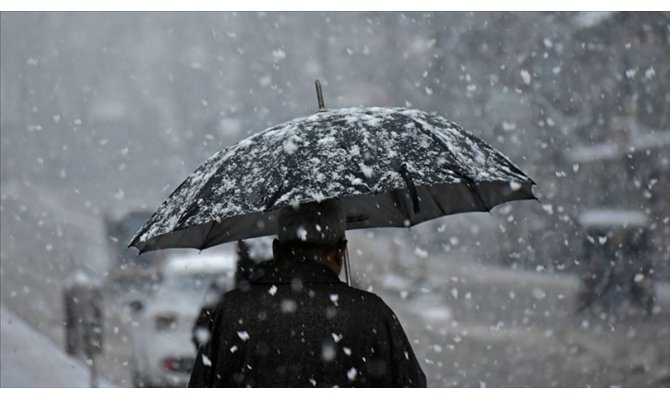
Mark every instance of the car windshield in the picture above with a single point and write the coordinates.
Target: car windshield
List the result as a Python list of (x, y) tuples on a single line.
[(194, 283)]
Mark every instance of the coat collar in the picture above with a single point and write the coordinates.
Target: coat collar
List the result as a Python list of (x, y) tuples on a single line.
[(305, 272)]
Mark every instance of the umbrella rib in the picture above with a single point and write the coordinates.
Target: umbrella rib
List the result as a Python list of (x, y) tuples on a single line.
[(205, 241), (472, 186), (469, 182), (411, 187), (437, 203), (274, 197), (396, 199)]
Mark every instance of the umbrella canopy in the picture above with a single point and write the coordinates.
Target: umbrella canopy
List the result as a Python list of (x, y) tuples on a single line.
[(386, 166)]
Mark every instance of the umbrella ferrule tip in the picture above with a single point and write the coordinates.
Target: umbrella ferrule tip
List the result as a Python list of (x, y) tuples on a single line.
[(319, 96)]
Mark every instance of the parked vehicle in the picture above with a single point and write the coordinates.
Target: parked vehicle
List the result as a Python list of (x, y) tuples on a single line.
[(616, 256), (163, 354)]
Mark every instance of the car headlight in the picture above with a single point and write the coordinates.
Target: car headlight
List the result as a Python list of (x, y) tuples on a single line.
[(165, 322)]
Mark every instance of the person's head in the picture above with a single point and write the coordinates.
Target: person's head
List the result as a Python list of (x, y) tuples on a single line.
[(312, 231)]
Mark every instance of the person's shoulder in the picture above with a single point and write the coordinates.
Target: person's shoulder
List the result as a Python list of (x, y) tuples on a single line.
[(382, 309), (249, 292), (236, 294), (230, 302), (363, 293), (370, 298)]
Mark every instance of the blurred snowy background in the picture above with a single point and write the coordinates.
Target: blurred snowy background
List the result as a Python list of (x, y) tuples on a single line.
[(103, 114)]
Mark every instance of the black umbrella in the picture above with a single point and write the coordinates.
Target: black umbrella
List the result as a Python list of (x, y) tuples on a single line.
[(386, 166)]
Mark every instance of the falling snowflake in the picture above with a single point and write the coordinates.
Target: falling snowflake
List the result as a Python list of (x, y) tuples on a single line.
[(421, 253), (508, 126), (649, 73), (351, 374), (272, 290), (327, 352), (539, 293), (244, 335), (288, 306), (301, 233), (278, 54), (201, 334), (206, 361)]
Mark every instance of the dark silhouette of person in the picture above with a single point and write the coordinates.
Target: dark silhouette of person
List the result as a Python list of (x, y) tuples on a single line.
[(298, 325)]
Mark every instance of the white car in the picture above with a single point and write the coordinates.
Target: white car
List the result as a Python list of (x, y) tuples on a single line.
[(163, 353)]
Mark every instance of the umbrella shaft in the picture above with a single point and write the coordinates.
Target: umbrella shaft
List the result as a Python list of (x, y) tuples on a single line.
[(319, 96), (347, 273)]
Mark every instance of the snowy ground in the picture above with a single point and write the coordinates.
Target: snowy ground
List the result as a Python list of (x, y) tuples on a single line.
[(31, 360), (482, 326)]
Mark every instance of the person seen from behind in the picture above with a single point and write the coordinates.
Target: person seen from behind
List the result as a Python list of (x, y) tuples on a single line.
[(298, 325)]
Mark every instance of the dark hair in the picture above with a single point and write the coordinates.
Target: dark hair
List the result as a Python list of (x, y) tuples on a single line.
[(301, 251), (318, 224)]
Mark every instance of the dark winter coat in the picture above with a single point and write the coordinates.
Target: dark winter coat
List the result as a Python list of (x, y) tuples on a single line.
[(300, 326)]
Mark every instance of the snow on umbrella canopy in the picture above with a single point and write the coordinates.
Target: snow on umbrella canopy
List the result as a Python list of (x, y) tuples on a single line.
[(386, 166)]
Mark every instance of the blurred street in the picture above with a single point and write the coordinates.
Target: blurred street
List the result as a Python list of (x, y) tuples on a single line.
[(471, 326)]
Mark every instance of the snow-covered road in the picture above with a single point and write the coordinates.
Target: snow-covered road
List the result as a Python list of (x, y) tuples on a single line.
[(28, 359)]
